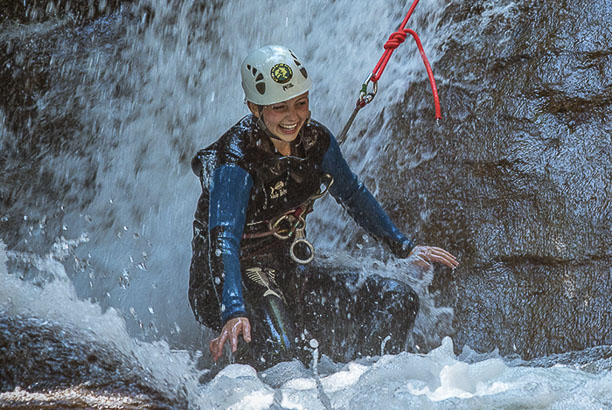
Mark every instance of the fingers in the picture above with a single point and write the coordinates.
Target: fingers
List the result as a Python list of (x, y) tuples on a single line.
[(230, 333), (246, 332), (424, 255), (442, 256), (421, 260), (216, 345), (236, 328), (215, 349)]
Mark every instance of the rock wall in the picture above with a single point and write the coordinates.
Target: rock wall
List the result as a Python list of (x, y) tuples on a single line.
[(517, 179)]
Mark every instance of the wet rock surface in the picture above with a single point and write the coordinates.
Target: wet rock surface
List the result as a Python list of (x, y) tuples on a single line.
[(46, 365), (40, 10), (516, 180)]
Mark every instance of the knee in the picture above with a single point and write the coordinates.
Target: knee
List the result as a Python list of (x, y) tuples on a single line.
[(393, 295)]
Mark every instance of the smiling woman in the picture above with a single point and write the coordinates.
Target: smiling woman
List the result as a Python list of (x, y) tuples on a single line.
[(284, 120), (249, 273)]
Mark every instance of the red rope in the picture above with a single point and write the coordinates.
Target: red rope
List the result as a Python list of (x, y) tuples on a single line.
[(432, 80), (397, 38)]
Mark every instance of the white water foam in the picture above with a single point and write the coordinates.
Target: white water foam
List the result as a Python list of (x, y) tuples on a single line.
[(179, 91), (436, 380), (56, 300)]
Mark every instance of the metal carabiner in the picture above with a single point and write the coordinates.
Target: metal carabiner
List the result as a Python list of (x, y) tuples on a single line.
[(300, 238), (366, 97), (324, 188), (274, 226)]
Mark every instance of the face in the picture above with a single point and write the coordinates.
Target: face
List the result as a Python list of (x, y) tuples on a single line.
[(285, 119)]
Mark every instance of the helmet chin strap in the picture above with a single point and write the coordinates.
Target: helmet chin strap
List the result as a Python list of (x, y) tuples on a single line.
[(266, 130), (262, 124)]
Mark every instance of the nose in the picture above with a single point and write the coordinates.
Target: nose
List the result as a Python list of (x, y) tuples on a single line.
[(292, 113)]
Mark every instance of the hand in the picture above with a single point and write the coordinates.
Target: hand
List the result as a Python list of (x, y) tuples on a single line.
[(425, 255), (230, 332)]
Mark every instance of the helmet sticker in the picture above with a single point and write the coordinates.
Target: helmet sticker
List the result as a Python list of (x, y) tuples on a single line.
[(281, 73)]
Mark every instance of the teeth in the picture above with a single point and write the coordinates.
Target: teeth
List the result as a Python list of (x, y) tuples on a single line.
[(288, 127)]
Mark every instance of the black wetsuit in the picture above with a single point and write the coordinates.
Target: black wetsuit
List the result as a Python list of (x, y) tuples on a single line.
[(245, 184)]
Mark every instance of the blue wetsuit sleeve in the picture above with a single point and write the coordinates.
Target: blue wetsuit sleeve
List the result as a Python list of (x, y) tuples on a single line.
[(361, 204), (230, 187)]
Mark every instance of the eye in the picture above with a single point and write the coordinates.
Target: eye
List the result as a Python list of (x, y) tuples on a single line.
[(279, 107)]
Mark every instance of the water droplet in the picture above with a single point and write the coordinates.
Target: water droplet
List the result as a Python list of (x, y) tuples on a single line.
[(124, 280), (314, 343), (151, 310)]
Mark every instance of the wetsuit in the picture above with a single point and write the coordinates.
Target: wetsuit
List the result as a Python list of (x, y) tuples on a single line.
[(239, 269)]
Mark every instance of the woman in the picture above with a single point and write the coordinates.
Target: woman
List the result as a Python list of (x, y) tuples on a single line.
[(249, 275)]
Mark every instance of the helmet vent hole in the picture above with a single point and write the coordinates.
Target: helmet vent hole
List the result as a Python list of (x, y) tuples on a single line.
[(249, 67), (297, 63), (261, 88), (260, 77), (254, 71), (304, 72)]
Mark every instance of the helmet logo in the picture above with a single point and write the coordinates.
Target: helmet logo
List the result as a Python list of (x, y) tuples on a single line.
[(281, 73)]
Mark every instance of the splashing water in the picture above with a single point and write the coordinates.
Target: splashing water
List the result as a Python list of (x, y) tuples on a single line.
[(133, 96), (438, 379)]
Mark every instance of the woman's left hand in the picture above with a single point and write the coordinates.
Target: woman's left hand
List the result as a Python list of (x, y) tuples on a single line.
[(425, 255)]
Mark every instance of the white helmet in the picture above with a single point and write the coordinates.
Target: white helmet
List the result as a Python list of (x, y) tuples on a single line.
[(273, 74)]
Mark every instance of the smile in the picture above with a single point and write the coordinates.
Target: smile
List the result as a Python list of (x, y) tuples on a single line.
[(288, 127)]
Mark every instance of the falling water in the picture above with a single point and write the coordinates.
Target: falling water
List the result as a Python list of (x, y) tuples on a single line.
[(103, 112)]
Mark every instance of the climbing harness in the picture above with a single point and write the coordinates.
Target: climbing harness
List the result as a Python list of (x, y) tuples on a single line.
[(395, 39), (292, 224)]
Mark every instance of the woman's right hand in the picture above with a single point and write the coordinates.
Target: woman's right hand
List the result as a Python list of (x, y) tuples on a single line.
[(230, 332)]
